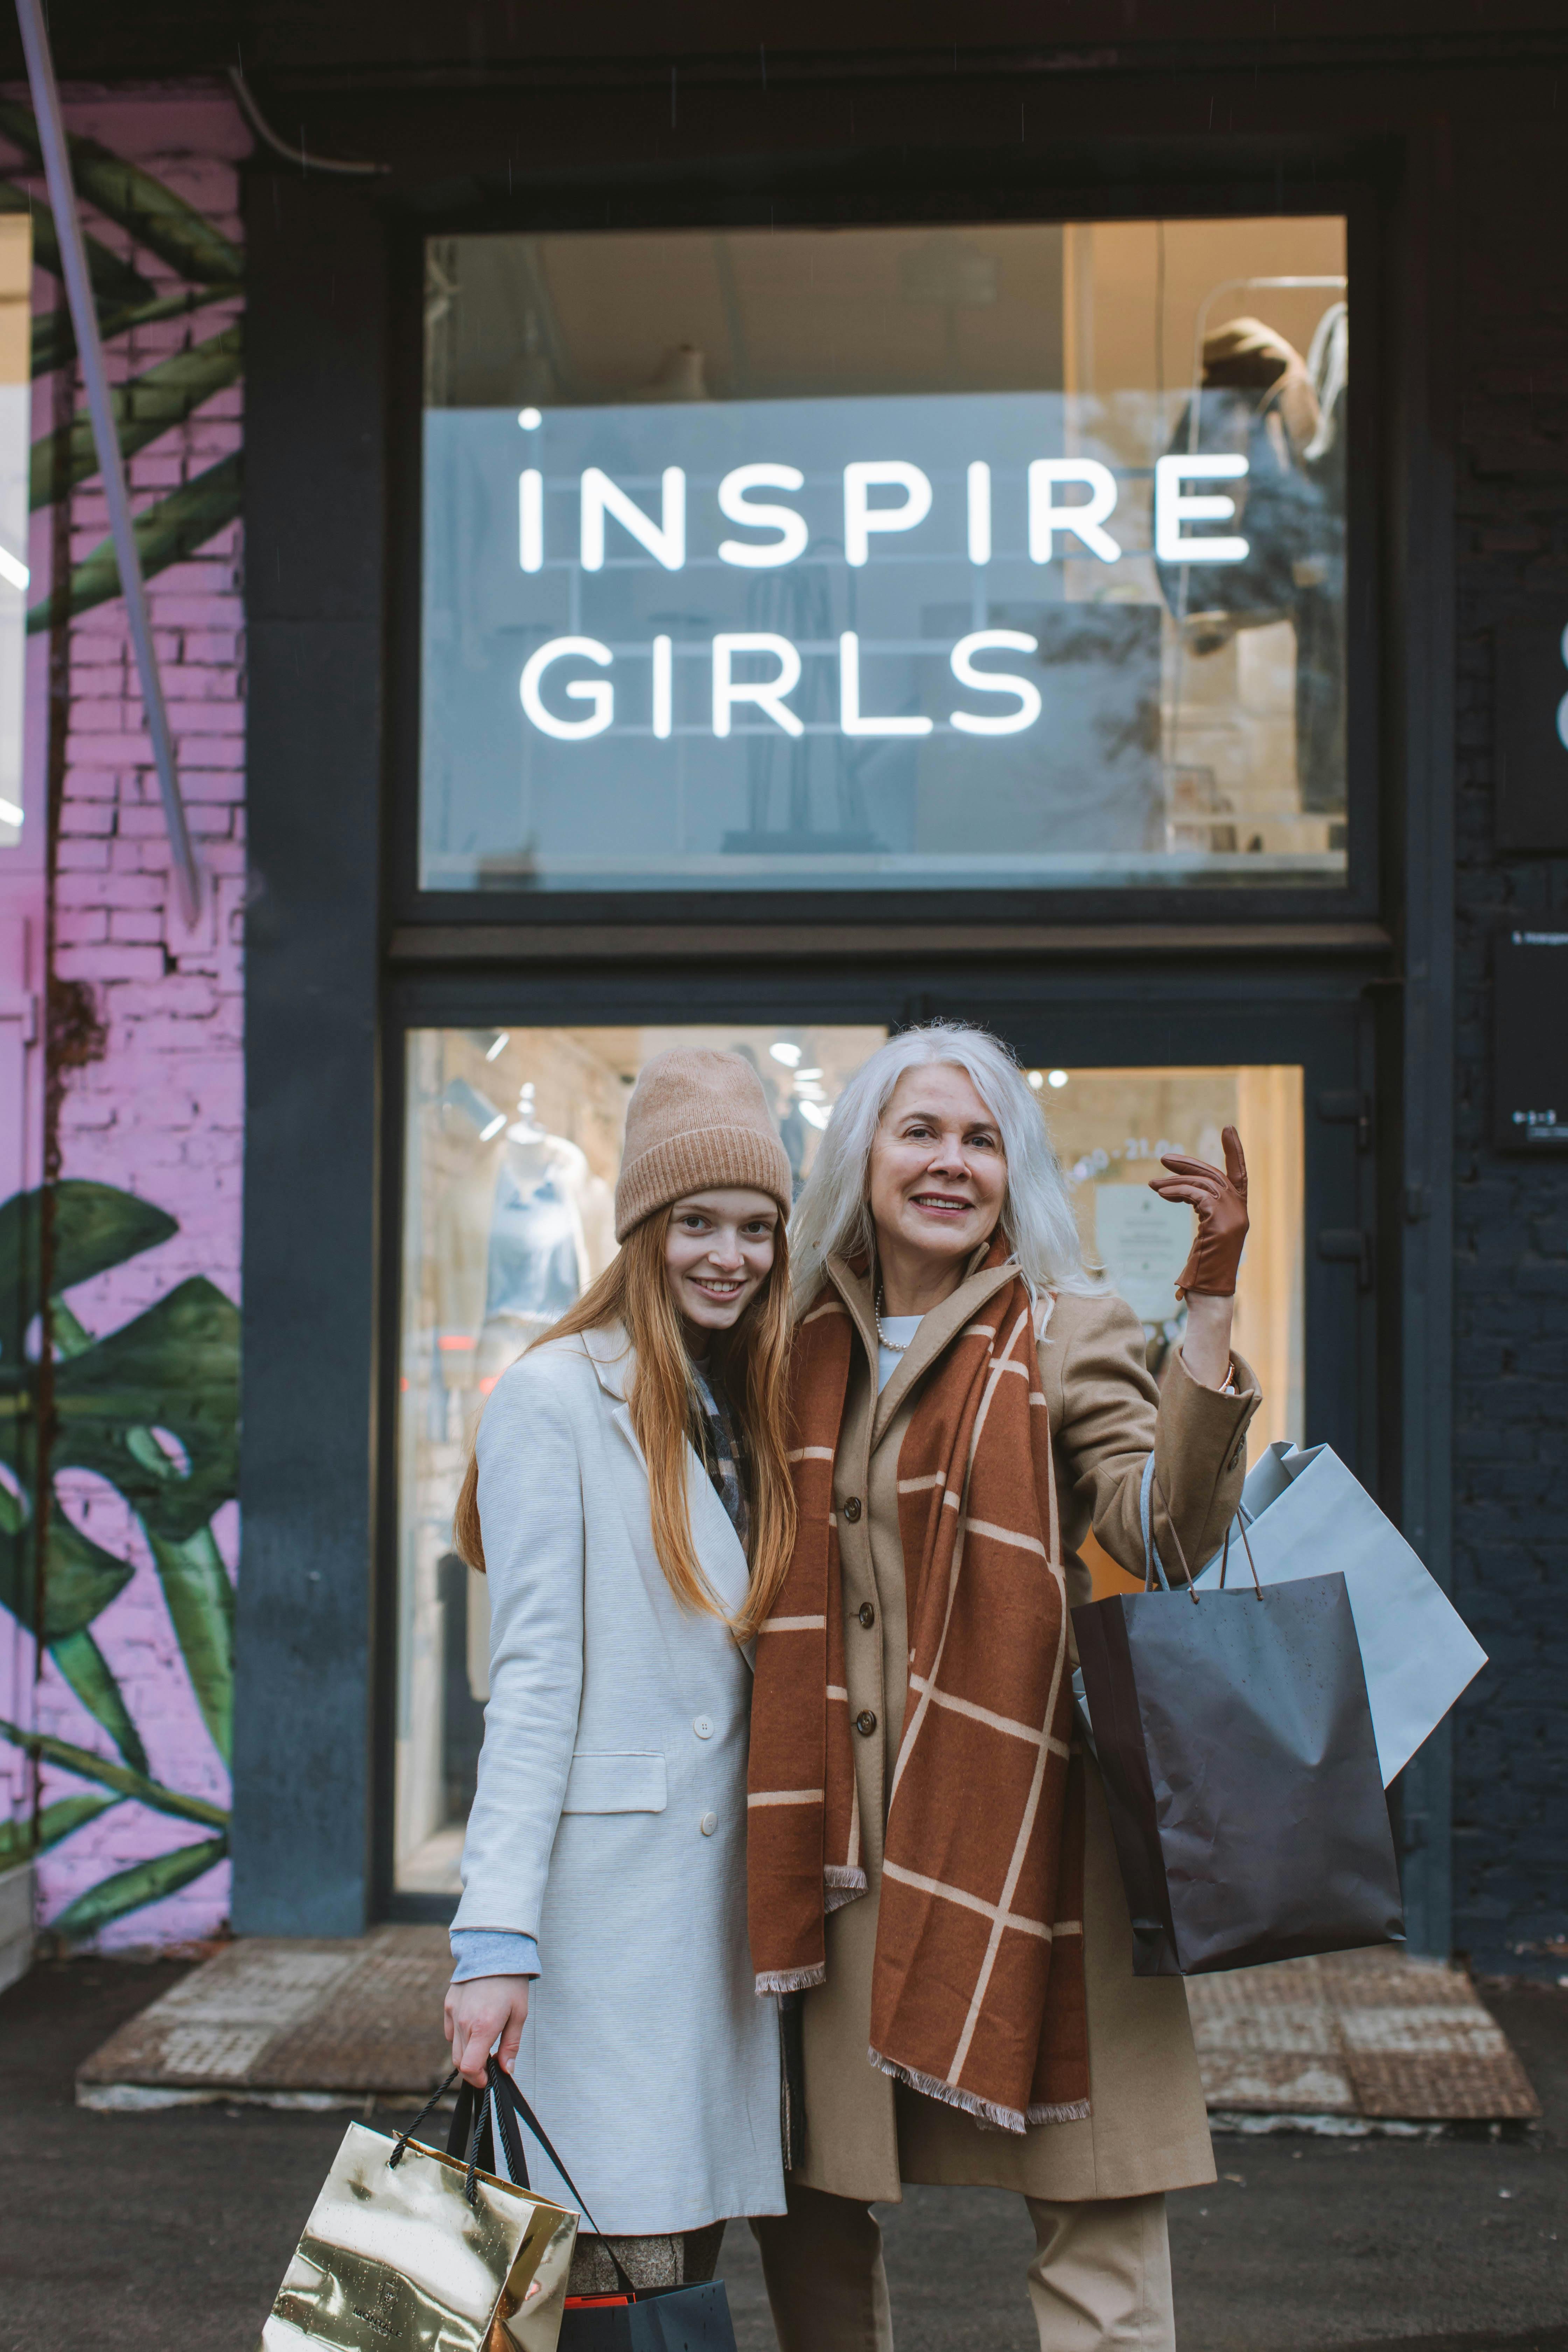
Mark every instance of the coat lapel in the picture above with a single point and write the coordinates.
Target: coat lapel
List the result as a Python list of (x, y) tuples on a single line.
[(718, 1552), (936, 1329)]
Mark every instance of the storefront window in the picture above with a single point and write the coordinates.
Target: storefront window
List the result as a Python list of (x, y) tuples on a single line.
[(885, 558), (513, 1147), (1110, 1128)]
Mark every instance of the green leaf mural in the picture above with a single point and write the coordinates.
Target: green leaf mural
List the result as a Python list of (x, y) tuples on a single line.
[(166, 532), (112, 280), (93, 1228), (164, 396), (201, 1606), (20, 1841), (144, 1882), (152, 1408), (151, 213), (212, 269), (54, 336), (174, 1368), (89, 1672), (118, 1777), (79, 1578)]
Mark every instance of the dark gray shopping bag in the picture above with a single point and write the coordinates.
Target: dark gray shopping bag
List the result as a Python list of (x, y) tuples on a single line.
[(1241, 1773)]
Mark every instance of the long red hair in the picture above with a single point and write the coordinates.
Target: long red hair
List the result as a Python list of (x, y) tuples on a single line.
[(750, 1363)]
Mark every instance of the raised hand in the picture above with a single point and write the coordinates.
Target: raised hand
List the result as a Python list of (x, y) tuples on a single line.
[(1219, 1197)]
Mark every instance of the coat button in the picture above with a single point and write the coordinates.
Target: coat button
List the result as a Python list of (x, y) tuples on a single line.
[(702, 1726), (707, 1824), (865, 1723), (866, 1613), (852, 1509)]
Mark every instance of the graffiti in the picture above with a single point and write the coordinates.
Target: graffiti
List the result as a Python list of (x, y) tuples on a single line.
[(152, 1410), (163, 395), (118, 1445)]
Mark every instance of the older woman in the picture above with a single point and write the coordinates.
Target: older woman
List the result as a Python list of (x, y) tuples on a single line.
[(933, 1883)]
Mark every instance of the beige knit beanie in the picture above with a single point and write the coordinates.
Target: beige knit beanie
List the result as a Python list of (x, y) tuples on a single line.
[(697, 1120)]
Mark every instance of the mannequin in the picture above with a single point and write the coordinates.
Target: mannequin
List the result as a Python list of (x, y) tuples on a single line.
[(512, 1250)]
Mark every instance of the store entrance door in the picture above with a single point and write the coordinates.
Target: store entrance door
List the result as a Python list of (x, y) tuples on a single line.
[(511, 1146)]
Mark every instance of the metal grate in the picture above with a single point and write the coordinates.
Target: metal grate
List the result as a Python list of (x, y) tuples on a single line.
[(1371, 2033), (277, 2020)]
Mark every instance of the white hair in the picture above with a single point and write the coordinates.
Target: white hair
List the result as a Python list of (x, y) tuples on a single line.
[(833, 1214)]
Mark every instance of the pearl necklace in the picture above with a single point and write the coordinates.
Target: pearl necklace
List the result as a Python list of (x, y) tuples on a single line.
[(894, 1346)]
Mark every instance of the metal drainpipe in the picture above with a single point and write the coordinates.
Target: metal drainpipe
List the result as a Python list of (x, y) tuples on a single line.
[(84, 318)]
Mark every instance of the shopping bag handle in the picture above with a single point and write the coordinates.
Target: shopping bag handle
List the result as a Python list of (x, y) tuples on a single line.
[(504, 2091), (470, 2191), (511, 2108), (1241, 1517), (500, 2090), (1153, 1564)]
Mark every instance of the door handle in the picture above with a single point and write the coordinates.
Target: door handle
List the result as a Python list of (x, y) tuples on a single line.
[(1348, 1246)]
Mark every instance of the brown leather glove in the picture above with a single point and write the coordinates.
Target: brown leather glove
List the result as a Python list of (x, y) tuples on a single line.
[(1221, 1205)]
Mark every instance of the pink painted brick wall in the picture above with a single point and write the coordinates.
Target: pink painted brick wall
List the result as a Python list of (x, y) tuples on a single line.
[(161, 1115)]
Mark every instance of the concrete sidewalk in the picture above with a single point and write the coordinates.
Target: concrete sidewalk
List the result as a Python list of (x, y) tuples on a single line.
[(167, 2230)]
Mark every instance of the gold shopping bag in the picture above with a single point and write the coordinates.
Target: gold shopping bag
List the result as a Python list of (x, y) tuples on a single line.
[(407, 2250)]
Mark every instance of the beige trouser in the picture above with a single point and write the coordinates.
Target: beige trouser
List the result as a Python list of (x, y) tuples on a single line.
[(1100, 2277)]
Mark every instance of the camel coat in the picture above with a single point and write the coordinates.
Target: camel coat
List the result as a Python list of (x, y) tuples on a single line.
[(1147, 2130)]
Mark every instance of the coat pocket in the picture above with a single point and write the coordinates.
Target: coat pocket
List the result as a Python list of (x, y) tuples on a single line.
[(615, 1784)]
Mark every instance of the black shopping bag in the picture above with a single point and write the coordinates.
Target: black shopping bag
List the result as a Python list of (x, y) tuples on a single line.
[(1241, 1773), (638, 2320)]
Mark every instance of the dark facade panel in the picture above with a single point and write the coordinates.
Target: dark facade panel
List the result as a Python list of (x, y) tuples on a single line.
[(314, 540)]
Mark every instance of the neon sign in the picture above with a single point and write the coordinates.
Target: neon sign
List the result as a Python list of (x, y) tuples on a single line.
[(757, 670)]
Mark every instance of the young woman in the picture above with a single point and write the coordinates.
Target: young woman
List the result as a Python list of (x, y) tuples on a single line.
[(630, 1501), (931, 1868)]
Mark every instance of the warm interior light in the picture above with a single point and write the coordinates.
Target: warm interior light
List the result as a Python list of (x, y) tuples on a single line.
[(786, 1053), (1035, 1081), (1058, 1078)]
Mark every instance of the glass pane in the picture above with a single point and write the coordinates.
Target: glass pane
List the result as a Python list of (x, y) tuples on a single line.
[(1110, 1128), (16, 426), (513, 1148), (890, 557)]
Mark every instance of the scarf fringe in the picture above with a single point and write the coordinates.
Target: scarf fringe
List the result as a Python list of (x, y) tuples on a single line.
[(841, 1883), (985, 2111), (793, 1980), (1066, 2110)]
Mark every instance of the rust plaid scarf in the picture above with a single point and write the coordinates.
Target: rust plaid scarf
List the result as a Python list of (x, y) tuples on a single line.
[(977, 1993)]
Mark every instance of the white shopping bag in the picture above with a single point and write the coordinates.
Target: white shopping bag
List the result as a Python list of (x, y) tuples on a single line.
[(1305, 1515)]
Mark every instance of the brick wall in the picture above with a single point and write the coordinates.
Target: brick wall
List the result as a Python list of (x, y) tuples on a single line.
[(159, 1111), (1510, 1448)]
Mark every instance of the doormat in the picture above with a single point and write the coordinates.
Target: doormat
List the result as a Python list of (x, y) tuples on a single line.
[(1355, 2039), (287, 2023), (1359, 2042)]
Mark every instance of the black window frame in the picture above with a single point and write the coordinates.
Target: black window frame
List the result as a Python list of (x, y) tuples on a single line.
[(840, 202)]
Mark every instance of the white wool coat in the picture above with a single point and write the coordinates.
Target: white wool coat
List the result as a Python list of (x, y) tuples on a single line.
[(610, 1819)]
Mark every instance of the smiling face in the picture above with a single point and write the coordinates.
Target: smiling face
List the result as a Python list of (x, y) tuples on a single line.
[(718, 1252), (938, 1173)]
